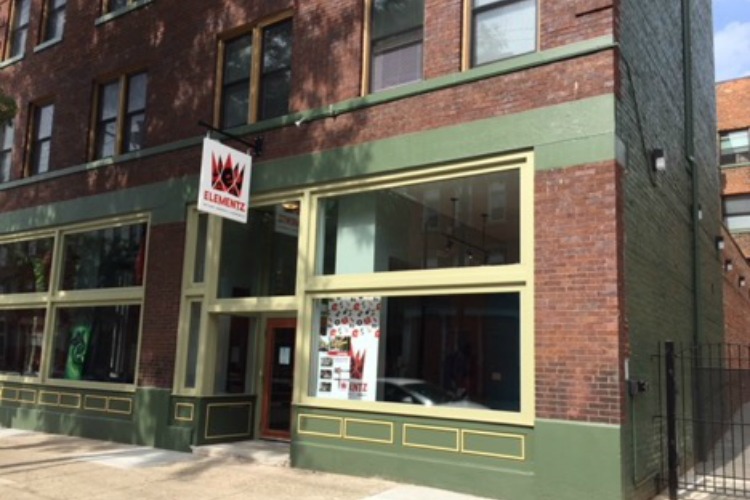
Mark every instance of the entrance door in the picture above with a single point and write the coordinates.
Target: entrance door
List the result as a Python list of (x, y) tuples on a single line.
[(276, 414)]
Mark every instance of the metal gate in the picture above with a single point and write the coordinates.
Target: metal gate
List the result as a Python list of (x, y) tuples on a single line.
[(705, 414)]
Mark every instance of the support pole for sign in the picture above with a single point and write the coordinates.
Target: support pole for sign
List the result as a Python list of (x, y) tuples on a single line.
[(256, 147)]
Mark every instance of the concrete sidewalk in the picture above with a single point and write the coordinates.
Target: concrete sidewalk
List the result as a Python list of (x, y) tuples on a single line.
[(47, 466)]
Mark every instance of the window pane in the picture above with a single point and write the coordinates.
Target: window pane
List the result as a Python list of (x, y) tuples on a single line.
[(276, 73), (460, 351), (137, 92), (96, 343), (737, 205), (40, 159), (21, 335), (104, 258), (106, 139), (391, 17), (24, 8), (277, 46), (7, 136), (274, 99), (116, 4), (191, 363), (397, 65), (25, 266), (200, 249), (386, 230), (5, 163), (234, 105), (44, 121), (504, 31), (134, 132), (110, 101), (238, 59), (738, 222), (259, 258)]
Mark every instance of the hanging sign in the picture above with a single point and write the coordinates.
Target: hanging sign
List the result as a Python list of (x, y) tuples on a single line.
[(225, 181)]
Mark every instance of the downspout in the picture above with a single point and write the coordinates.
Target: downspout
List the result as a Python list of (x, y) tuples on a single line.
[(687, 80)]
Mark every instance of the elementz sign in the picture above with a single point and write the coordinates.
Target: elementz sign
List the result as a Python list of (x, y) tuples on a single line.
[(225, 181)]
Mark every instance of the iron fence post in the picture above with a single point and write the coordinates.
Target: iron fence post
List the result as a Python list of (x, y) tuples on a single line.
[(671, 380)]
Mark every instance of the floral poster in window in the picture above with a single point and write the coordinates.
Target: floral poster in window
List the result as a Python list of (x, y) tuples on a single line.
[(348, 361)]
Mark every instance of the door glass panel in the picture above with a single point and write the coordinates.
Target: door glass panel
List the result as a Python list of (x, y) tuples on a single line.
[(281, 369), (234, 362)]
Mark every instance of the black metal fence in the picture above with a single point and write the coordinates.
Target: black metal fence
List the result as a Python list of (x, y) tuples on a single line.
[(705, 413)]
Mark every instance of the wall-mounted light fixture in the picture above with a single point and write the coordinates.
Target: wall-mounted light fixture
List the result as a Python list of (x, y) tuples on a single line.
[(728, 265), (741, 281), (719, 243), (658, 160)]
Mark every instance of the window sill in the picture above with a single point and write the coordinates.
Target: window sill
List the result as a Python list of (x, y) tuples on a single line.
[(735, 165), (109, 16), (47, 44), (11, 61)]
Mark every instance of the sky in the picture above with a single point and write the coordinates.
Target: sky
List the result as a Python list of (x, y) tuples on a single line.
[(732, 38)]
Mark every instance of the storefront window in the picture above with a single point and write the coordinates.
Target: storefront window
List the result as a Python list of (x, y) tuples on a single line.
[(442, 224), (21, 335), (260, 258), (104, 258), (97, 344), (25, 266), (199, 269), (459, 351)]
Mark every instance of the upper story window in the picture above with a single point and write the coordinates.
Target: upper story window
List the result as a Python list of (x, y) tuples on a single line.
[(737, 213), (735, 147), (6, 150), (41, 138), (396, 35), (54, 20), (256, 75), (501, 29), (121, 115), (19, 29)]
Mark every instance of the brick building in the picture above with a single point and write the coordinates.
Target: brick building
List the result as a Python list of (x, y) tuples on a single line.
[(733, 122), (470, 221)]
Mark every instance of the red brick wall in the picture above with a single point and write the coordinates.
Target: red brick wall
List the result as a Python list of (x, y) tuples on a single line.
[(578, 303), (161, 305), (733, 104)]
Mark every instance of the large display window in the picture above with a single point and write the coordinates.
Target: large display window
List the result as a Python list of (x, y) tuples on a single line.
[(459, 351), (72, 304)]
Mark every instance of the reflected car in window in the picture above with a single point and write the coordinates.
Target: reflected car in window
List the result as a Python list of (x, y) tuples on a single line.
[(421, 392)]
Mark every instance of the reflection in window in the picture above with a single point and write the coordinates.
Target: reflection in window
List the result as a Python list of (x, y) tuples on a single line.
[(260, 258), (25, 266), (96, 343), (735, 147), (21, 335), (432, 225), (459, 351), (6, 150), (396, 43), (275, 78), (235, 95), (104, 258), (502, 29)]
